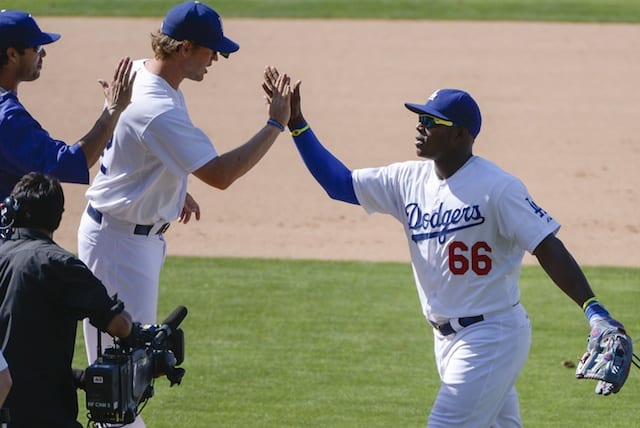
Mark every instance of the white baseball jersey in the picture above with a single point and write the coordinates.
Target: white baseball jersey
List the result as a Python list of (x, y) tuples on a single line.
[(142, 180), (155, 146), (467, 234)]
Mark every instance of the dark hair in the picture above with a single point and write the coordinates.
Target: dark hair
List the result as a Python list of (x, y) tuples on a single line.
[(4, 58), (41, 201)]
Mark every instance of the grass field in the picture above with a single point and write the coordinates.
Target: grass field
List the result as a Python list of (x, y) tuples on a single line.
[(527, 10), (275, 343)]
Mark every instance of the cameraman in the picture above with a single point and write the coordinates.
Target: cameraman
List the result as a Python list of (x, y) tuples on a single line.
[(45, 291)]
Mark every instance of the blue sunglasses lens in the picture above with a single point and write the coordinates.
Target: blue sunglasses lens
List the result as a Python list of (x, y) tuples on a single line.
[(427, 121)]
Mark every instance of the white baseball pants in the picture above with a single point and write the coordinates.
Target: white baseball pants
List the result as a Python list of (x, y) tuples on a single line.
[(128, 265), (478, 368)]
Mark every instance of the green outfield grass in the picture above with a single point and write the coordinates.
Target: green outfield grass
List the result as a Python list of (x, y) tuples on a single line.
[(275, 343), (538, 10)]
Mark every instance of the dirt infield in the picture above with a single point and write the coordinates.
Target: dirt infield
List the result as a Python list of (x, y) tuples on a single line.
[(560, 104)]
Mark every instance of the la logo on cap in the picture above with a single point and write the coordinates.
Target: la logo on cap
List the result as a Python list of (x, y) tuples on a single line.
[(434, 95)]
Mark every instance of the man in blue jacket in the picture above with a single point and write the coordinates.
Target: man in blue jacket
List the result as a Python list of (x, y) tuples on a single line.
[(24, 145)]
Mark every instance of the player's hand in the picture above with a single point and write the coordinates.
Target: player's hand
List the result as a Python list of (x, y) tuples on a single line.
[(118, 93), (190, 207), (271, 75), (278, 95), (296, 110), (269, 84)]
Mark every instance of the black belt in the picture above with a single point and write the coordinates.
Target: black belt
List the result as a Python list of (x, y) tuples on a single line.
[(140, 229), (446, 329)]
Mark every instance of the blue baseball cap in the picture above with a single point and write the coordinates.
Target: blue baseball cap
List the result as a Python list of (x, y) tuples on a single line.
[(454, 105), (19, 29), (197, 22)]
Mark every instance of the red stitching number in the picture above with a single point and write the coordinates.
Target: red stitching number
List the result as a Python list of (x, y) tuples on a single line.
[(479, 260)]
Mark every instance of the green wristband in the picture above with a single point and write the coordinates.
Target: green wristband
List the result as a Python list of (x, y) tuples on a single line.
[(588, 302), (296, 132)]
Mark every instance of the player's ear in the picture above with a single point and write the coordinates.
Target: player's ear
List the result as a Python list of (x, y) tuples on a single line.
[(457, 132), (12, 54), (184, 48), (188, 46), (463, 133)]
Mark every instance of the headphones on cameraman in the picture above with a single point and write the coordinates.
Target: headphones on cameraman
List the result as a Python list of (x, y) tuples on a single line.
[(8, 214)]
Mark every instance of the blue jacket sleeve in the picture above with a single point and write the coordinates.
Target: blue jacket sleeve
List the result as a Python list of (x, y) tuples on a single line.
[(25, 146), (332, 174)]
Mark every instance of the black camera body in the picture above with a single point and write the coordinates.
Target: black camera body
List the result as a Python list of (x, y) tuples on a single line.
[(121, 379)]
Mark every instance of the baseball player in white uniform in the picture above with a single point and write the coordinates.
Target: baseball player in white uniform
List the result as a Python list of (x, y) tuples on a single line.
[(142, 183), (468, 224)]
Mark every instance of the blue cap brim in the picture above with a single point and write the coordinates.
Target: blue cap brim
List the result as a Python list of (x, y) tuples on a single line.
[(46, 38), (423, 109), (224, 45)]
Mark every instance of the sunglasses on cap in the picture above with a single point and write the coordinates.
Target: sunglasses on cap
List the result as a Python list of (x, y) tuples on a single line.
[(430, 121)]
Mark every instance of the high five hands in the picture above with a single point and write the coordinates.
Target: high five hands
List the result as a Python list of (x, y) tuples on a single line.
[(270, 87)]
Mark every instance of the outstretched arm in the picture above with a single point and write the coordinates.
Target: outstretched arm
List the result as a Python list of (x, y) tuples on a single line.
[(118, 96), (329, 171), (223, 170)]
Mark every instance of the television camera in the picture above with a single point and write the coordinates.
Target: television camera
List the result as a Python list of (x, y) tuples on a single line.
[(120, 381)]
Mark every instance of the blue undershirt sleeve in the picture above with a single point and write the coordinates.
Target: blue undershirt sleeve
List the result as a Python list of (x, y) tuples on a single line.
[(328, 170)]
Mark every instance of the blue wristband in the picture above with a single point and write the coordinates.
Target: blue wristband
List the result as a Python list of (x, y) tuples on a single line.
[(595, 310), (275, 123)]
